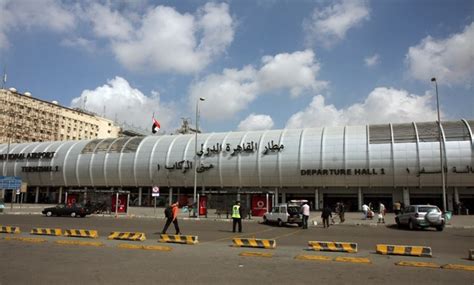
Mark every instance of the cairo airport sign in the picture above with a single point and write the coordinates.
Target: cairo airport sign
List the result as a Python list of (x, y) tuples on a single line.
[(31, 155)]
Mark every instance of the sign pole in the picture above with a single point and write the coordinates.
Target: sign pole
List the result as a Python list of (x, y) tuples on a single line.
[(154, 210)]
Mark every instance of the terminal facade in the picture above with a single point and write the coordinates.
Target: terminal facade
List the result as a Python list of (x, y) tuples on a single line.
[(350, 164)]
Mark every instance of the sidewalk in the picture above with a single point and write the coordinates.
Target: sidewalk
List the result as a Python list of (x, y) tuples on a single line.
[(351, 218)]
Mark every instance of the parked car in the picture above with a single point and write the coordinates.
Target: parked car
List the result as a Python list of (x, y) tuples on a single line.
[(421, 216), (283, 214), (74, 210)]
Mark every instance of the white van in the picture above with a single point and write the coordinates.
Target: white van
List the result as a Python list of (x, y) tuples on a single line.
[(283, 214)]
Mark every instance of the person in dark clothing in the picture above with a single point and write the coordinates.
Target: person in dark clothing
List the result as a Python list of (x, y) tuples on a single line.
[(237, 216), (342, 211), (173, 218), (325, 215)]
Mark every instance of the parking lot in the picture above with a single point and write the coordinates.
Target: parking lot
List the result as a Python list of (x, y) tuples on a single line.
[(215, 260)]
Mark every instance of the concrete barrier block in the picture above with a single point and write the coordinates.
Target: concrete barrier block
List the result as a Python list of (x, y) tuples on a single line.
[(46, 232), (135, 236), (333, 246), (254, 242), (183, 239), (406, 250), (81, 233), (9, 230)]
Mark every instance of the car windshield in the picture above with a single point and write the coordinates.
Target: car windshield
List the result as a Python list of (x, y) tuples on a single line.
[(427, 209)]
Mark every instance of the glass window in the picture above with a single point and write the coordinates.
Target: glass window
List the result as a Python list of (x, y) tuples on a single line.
[(89, 147), (132, 144), (379, 134), (117, 145), (104, 145)]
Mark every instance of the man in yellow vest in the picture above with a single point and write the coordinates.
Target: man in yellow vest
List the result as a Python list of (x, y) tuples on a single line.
[(237, 216)]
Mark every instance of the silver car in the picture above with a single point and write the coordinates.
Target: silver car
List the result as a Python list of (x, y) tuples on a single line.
[(421, 216)]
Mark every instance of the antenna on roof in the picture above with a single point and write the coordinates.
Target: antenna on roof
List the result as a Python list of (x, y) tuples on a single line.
[(4, 77)]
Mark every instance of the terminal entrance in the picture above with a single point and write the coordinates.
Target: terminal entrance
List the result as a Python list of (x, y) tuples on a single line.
[(424, 199), (373, 200), (349, 200)]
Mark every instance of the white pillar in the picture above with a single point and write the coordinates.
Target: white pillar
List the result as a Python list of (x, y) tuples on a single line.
[(275, 197), (360, 199), (171, 196), (283, 197), (2, 194), (116, 203), (406, 196), (60, 198), (456, 195), (266, 205), (128, 202), (316, 199), (139, 196), (37, 194), (85, 195)]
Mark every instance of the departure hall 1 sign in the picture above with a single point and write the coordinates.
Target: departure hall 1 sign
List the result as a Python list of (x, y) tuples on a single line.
[(349, 171)]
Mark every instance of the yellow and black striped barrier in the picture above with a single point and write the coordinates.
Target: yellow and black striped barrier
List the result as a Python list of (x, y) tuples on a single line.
[(422, 251), (9, 230), (81, 233), (46, 232), (135, 236), (333, 246), (471, 254), (254, 242), (184, 239)]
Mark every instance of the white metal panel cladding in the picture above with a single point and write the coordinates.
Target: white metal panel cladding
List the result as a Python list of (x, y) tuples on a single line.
[(320, 157)]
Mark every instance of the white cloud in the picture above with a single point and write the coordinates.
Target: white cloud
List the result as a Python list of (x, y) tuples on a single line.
[(382, 105), (330, 25), (127, 104), (296, 71), (372, 61), (46, 14), (167, 40), (450, 60), (107, 23), (233, 90), (80, 43), (226, 93), (256, 123)]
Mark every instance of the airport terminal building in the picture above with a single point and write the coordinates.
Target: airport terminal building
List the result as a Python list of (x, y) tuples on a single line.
[(352, 164)]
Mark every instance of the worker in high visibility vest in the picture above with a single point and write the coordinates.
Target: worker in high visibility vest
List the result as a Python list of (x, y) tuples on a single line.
[(237, 216)]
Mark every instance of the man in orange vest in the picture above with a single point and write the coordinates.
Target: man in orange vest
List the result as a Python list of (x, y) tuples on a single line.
[(173, 218)]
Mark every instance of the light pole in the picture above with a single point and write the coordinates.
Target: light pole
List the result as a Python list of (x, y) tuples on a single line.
[(195, 154), (440, 145)]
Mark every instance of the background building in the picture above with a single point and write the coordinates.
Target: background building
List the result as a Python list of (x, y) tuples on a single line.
[(28, 119)]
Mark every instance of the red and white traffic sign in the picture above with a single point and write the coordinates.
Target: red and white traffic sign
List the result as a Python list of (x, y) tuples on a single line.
[(155, 191)]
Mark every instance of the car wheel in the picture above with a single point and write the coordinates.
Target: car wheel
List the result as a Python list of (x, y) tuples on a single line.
[(265, 221), (280, 223), (440, 228), (411, 226), (49, 214), (73, 214)]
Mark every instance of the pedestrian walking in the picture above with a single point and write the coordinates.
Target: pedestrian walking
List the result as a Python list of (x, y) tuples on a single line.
[(397, 206), (365, 210), (325, 215), (171, 214), (341, 210), (381, 213), (305, 212), (237, 216)]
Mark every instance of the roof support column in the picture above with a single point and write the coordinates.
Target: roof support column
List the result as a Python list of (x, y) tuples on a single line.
[(37, 194), (60, 196), (359, 199), (406, 196), (316, 199), (140, 192)]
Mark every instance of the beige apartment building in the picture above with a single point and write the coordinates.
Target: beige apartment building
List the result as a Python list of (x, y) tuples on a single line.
[(29, 119)]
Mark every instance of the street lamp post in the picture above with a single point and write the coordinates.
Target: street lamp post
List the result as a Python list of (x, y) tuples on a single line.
[(440, 145), (195, 154)]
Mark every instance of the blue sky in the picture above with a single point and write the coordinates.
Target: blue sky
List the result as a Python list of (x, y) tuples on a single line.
[(262, 64)]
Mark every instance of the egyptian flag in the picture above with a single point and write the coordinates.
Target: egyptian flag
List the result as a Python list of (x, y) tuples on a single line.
[(156, 126)]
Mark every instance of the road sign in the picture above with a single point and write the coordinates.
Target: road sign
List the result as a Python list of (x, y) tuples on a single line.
[(10, 182), (155, 191)]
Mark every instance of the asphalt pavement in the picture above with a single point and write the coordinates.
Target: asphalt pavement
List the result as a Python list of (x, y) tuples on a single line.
[(215, 261)]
